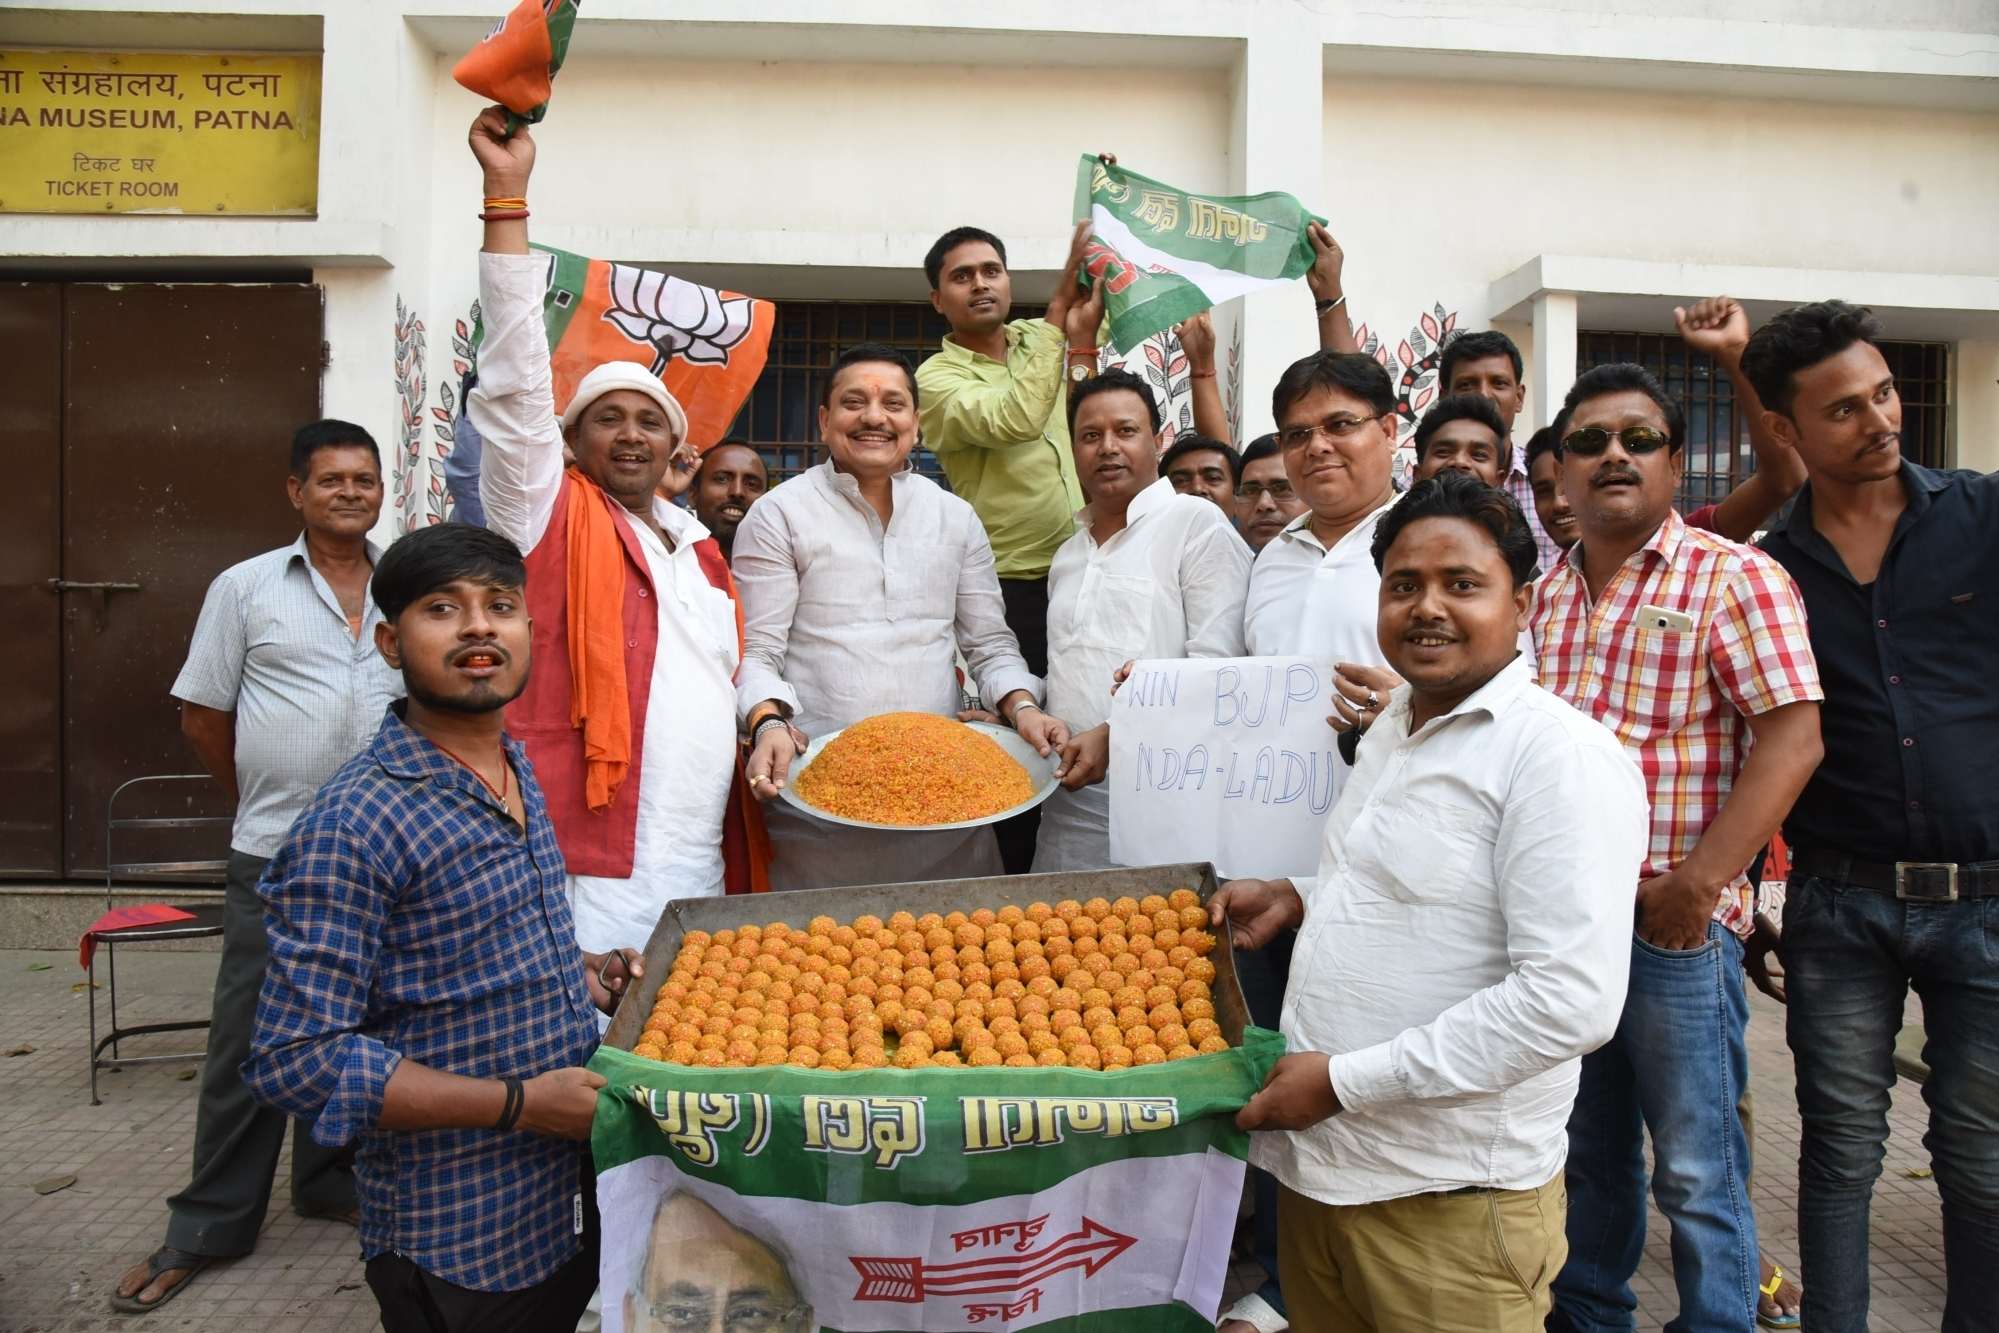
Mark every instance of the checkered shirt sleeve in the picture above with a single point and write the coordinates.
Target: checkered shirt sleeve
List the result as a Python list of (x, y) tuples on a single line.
[(325, 904), (1758, 647)]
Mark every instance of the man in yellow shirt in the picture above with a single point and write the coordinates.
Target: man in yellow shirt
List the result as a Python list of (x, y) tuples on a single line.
[(994, 413)]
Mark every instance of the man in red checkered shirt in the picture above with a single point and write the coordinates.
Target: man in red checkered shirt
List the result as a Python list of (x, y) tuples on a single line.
[(1687, 646)]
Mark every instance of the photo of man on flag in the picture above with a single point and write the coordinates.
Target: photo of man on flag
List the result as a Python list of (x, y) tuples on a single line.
[(1164, 254), (924, 1198)]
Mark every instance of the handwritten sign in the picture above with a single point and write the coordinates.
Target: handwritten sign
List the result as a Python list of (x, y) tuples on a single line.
[(1227, 760), (159, 132)]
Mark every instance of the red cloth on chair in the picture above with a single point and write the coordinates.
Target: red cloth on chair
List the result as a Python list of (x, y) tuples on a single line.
[(118, 918)]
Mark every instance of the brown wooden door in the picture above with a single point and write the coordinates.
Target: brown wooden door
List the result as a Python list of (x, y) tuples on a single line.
[(31, 555), (178, 403)]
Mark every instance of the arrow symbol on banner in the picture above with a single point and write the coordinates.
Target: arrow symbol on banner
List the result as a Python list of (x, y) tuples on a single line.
[(912, 1280)]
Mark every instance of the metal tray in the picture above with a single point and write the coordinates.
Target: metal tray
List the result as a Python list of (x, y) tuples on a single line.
[(944, 895), (1009, 740)]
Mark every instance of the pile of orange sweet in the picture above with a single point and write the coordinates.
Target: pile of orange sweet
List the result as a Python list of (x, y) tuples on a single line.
[(1095, 985)]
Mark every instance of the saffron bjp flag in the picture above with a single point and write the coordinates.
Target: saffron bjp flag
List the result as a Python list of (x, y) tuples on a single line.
[(515, 63), (708, 346), (1166, 254), (923, 1198)]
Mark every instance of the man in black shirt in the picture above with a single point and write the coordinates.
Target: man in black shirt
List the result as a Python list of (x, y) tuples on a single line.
[(1895, 841)]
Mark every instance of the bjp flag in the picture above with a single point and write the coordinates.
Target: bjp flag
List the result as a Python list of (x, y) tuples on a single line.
[(707, 346), (515, 63)]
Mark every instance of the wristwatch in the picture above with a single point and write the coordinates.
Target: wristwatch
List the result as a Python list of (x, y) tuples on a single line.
[(1080, 372)]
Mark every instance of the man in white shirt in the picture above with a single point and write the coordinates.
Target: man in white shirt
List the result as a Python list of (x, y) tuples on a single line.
[(1149, 573), (645, 824), (1313, 589), (859, 578), (1312, 592), (1462, 947)]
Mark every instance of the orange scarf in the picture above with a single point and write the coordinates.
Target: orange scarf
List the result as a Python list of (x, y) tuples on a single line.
[(599, 703)]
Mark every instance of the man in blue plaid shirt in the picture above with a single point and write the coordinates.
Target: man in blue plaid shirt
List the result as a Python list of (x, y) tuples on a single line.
[(425, 995)]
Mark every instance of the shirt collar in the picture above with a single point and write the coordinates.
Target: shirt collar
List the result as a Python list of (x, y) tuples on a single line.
[(1492, 698), (678, 523), (845, 483), (1299, 529), (298, 550), (1672, 534), (404, 752), (957, 351), (1918, 483), (1148, 501)]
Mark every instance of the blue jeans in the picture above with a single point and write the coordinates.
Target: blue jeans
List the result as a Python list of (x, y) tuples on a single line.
[(1850, 955), (1676, 1066)]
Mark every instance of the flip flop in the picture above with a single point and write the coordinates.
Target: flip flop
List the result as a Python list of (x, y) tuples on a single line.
[(165, 1259), (1770, 1289)]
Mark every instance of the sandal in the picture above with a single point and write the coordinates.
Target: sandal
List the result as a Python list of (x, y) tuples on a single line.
[(1770, 1290), (163, 1260)]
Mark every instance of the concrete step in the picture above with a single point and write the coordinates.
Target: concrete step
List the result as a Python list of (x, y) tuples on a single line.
[(54, 916)]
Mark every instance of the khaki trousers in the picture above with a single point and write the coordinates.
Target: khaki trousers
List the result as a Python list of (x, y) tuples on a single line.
[(1479, 1262)]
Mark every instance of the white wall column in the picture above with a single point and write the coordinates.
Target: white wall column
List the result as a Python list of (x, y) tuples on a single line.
[(1553, 368), (1276, 139)]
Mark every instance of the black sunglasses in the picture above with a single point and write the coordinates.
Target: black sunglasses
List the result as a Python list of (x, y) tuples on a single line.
[(1593, 440)]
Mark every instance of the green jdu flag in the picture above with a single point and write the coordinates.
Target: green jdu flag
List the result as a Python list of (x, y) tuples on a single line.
[(1165, 254), (1047, 1198)]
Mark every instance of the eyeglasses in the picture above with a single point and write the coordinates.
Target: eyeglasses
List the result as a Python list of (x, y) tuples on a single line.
[(741, 1316), (1333, 428), (1593, 440), (1256, 490)]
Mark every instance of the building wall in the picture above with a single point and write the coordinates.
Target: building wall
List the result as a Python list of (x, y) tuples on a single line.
[(1467, 156)]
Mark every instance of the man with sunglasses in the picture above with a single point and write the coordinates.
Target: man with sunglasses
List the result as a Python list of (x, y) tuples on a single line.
[(1686, 646)]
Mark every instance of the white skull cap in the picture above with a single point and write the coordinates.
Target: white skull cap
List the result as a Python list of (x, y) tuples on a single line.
[(631, 375)]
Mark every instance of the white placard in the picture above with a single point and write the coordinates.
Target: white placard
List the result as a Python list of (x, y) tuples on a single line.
[(1228, 760)]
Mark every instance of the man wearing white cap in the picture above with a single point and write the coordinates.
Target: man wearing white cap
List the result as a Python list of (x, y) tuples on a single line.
[(629, 718)]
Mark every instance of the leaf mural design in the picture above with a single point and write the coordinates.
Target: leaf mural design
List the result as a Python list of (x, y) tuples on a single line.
[(438, 504), (410, 393), (1413, 365)]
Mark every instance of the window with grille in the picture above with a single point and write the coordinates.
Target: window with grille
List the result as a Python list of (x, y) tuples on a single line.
[(781, 418), (1718, 455)]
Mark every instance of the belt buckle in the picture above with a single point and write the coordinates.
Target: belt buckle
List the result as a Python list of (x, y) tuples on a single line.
[(1925, 869)]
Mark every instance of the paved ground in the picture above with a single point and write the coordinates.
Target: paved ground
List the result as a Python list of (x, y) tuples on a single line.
[(60, 1253)]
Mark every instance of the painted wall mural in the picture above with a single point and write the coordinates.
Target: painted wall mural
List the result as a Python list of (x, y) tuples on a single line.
[(1412, 364), (409, 470)]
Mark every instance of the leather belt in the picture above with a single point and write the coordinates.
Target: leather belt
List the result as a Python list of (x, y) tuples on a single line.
[(1911, 881)]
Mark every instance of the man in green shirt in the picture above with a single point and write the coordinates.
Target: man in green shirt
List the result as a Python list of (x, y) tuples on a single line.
[(994, 413)]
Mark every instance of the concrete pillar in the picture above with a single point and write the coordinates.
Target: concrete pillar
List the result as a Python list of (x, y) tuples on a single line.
[(1553, 366), (1974, 406), (1276, 143)]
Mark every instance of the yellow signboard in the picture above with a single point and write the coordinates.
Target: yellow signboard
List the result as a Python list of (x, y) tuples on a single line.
[(159, 132)]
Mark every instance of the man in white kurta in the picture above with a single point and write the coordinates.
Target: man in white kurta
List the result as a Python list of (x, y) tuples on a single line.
[(690, 730), (1169, 584), (845, 618)]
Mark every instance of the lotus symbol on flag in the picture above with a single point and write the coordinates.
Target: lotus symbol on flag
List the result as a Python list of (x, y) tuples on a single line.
[(678, 318), (914, 1279)]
